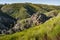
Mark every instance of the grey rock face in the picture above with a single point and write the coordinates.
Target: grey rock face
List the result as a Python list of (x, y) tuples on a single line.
[(35, 19), (39, 18)]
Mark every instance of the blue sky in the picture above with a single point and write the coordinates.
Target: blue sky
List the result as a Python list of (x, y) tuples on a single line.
[(50, 2)]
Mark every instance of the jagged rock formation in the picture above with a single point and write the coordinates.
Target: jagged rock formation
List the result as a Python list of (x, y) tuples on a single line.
[(35, 19), (39, 18)]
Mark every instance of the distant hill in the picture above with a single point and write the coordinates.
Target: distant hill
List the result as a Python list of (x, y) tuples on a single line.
[(18, 10)]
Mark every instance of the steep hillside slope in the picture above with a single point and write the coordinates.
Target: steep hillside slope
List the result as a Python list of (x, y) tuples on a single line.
[(50, 30), (19, 16), (36, 19)]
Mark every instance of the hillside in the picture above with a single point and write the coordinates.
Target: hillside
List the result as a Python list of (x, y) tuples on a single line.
[(50, 30), (18, 10), (27, 21)]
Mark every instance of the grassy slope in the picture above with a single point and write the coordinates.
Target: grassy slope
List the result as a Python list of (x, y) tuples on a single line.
[(19, 10), (48, 31)]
